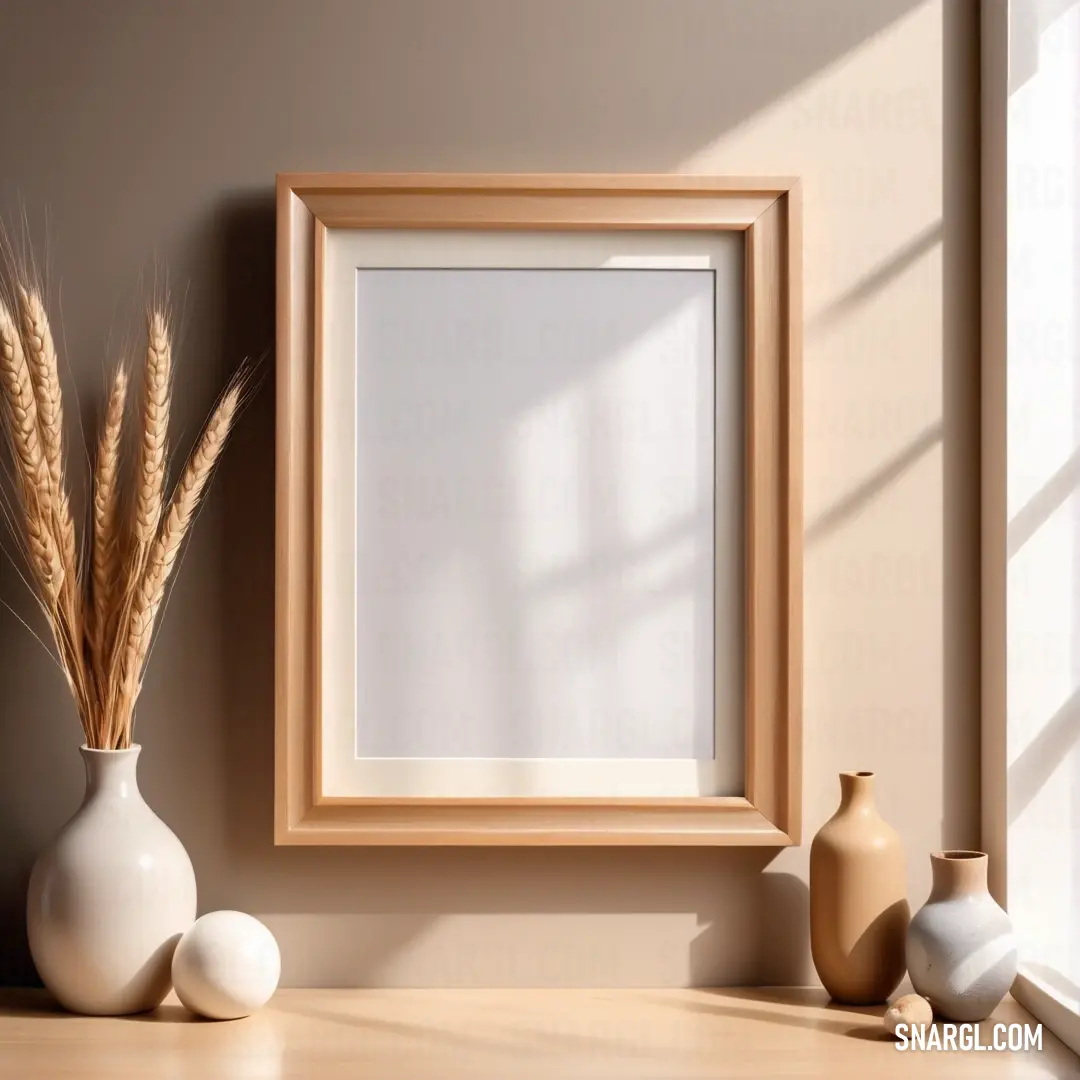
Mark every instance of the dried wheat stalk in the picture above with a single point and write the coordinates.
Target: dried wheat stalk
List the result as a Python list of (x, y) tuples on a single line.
[(150, 587), (102, 615)]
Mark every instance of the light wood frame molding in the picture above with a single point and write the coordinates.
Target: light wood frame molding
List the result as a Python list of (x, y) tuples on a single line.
[(768, 214)]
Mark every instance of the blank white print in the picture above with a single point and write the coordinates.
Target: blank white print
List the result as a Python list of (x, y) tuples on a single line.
[(537, 521)]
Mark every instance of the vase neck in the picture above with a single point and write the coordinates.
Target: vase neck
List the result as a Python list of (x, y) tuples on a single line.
[(111, 774), (958, 873), (857, 792)]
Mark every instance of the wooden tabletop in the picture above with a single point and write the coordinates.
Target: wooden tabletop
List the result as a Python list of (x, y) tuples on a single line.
[(447, 1034)]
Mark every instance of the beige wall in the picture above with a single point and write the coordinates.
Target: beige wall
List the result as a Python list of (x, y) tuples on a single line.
[(152, 132)]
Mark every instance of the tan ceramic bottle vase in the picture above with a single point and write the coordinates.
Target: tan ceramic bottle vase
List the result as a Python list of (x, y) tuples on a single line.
[(859, 912)]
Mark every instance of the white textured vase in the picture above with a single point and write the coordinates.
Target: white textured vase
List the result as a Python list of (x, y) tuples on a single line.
[(961, 952), (111, 897)]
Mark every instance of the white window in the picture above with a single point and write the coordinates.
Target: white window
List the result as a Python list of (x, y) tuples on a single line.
[(1031, 146)]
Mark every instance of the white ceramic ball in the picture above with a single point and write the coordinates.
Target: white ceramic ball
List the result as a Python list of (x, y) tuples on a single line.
[(226, 966)]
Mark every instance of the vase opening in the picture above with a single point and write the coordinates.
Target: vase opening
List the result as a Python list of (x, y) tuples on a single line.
[(111, 772), (857, 791), (958, 872)]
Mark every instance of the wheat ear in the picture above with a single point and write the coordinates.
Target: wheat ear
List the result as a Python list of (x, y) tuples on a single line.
[(106, 543), (150, 591), (45, 376), (44, 371), (153, 443), (32, 470)]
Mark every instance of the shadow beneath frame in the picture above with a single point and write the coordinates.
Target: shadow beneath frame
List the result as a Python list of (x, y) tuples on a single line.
[(246, 605)]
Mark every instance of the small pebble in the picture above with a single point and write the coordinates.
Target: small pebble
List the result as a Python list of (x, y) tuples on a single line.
[(911, 1009)]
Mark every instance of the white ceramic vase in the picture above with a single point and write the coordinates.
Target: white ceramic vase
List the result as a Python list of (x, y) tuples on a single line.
[(961, 952), (111, 897)]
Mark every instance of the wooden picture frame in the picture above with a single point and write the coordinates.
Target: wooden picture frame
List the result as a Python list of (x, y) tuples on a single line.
[(767, 214)]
